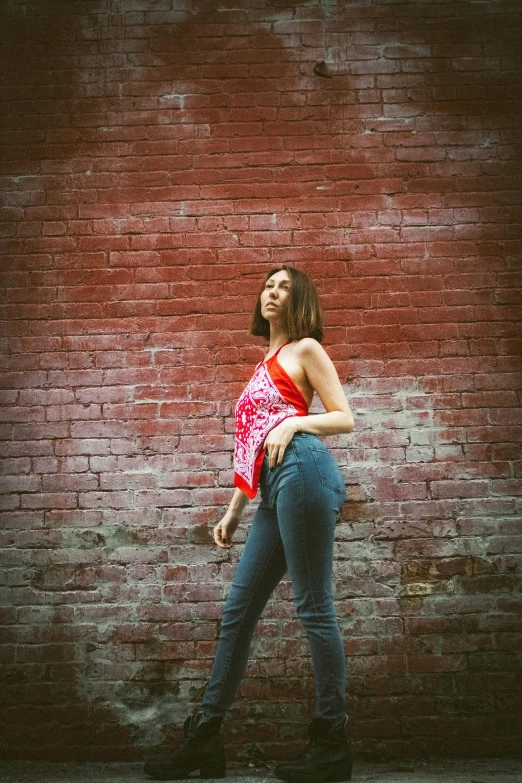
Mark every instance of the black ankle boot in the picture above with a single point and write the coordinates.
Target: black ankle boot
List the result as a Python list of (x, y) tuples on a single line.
[(326, 758), (201, 749)]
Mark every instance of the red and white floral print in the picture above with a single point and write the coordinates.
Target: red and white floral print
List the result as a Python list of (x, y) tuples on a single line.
[(270, 397)]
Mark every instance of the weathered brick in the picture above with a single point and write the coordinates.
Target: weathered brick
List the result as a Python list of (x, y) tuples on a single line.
[(126, 297)]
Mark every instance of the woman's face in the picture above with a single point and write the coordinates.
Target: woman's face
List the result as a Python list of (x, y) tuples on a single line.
[(274, 295)]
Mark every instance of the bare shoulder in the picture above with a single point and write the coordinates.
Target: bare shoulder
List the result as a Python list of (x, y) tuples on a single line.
[(307, 349), (321, 374)]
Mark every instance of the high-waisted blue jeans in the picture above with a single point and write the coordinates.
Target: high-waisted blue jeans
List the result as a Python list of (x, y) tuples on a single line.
[(293, 530)]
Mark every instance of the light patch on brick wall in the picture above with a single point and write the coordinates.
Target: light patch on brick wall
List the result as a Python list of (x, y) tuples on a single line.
[(146, 712), (156, 160)]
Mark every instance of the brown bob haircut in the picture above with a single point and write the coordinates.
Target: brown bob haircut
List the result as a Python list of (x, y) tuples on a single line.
[(303, 314)]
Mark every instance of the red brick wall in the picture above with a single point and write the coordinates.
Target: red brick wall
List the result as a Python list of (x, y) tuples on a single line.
[(157, 157)]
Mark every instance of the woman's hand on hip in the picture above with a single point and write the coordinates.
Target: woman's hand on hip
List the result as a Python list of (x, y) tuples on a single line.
[(224, 531), (278, 439)]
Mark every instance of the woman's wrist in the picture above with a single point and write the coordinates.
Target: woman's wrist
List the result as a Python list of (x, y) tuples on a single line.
[(237, 506), (296, 423)]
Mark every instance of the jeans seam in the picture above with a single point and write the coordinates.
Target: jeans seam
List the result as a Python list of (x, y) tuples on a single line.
[(321, 625), (307, 563), (231, 654)]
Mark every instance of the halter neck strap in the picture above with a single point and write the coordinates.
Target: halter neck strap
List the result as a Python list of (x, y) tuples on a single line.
[(273, 355), (281, 346)]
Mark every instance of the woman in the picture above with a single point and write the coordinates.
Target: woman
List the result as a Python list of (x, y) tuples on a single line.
[(302, 491)]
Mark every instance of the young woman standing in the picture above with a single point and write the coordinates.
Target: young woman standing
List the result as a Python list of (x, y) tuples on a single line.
[(302, 491)]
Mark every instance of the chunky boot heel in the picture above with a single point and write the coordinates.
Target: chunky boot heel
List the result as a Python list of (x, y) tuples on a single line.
[(201, 749), (326, 759), (214, 770)]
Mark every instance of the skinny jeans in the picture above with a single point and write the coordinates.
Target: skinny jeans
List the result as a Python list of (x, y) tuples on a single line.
[(293, 530)]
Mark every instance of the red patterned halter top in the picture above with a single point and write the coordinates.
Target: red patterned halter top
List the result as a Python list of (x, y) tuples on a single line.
[(270, 397)]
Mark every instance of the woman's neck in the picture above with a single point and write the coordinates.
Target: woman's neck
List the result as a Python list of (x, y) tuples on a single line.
[(278, 337)]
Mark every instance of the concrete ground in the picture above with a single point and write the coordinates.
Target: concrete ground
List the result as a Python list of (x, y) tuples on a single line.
[(481, 771)]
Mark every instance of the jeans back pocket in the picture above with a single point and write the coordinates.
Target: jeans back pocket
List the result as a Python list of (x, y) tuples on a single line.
[(328, 469)]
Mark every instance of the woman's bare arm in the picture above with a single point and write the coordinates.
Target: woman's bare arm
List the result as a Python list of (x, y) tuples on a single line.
[(227, 526), (323, 378)]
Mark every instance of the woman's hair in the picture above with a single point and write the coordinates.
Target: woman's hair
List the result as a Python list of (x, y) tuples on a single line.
[(302, 315)]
